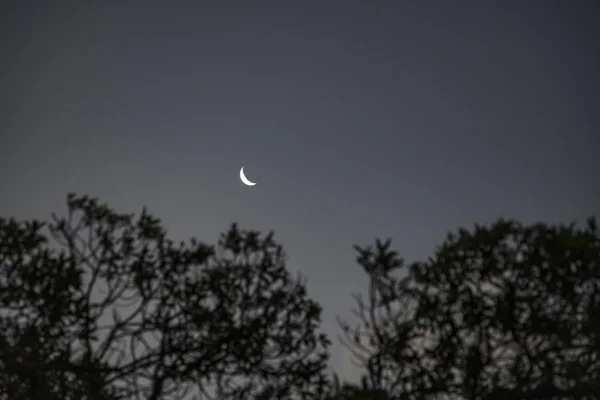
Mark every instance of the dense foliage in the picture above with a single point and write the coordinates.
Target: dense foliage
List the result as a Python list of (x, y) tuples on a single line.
[(113, 309), (506, 311), (99, 305)]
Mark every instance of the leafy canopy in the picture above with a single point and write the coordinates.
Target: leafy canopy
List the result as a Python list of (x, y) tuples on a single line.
[(505, 311), (99, 305), (102, 305)]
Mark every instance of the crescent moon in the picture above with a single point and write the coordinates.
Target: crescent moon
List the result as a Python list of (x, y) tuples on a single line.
[(245, 180)]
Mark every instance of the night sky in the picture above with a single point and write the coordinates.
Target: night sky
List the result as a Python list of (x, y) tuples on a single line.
[(357, 119)]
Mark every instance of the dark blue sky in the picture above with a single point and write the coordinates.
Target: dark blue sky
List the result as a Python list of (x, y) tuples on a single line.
[(357, 119)]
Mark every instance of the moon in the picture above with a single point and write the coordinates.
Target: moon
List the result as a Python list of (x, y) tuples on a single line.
[(245, 180)]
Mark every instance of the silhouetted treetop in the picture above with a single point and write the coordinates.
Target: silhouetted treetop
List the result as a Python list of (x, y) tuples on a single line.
[(100, 305), (103, 305), (503, 311)]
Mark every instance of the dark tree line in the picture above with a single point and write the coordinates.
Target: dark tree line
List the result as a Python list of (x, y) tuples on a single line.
[(500, 312), (99, 305), (119, 311)]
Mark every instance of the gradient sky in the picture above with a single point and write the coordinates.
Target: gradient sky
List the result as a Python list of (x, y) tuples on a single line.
[(357, 119)]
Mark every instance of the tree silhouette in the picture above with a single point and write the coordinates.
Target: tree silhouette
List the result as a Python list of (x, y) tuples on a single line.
[(101, 305), (500, 312)]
